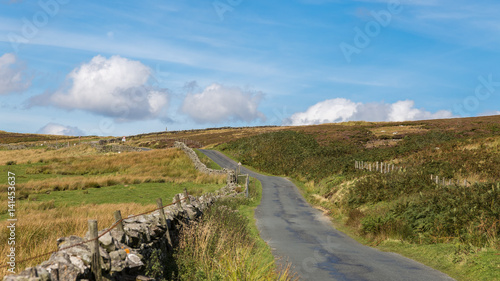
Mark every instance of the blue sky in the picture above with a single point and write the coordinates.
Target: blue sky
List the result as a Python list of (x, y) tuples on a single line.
[(129, 67)]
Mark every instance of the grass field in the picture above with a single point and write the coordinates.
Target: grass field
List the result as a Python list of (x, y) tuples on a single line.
[(57, 191)]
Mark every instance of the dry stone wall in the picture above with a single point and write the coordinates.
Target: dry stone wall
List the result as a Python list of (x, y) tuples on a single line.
[(124, 254), (197, 163)]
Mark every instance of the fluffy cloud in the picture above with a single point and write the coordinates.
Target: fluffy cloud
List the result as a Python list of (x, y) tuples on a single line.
[(12, 78), (218, 104), (341, 110), (58, 129), (489, 113), (116, 87)]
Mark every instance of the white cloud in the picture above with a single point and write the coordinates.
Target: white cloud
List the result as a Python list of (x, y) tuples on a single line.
[(341, 110), (218, 103), (116, 87), (58, 129), (490, 113), (12, 78)]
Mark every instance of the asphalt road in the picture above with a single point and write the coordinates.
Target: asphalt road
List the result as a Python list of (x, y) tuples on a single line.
[(299, 234)]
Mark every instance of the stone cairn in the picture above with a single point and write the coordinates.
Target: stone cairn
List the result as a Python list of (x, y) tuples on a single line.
[(124, 248)]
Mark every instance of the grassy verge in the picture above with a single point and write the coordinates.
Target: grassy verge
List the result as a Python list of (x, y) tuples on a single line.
[(225, 244), (459, 261)]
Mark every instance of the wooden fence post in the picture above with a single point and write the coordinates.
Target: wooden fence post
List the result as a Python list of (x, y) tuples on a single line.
[(94, 250), (186, 195), (178, 201), (163, 222), (437, 180), (247, 184), (159, 204), (118, 217)]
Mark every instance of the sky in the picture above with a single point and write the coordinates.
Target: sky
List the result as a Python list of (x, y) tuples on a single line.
[(129, 67)]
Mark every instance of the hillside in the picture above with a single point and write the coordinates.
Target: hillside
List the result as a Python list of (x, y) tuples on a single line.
[(454, 228)]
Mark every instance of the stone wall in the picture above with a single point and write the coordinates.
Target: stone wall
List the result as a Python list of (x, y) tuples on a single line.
[(197, 163), (124, 253)]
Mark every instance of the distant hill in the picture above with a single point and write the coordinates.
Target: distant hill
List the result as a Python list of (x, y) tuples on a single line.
[(6, 137)]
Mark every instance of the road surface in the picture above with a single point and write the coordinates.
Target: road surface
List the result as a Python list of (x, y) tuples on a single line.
[(299, 234)]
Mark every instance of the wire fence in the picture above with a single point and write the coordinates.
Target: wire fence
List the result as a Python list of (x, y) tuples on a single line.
[(385, 168)]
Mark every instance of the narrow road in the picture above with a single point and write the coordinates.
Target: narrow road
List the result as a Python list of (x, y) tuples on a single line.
[(299, 234)]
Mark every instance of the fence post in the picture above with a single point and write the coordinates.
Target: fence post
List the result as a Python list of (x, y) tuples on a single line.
[(370, 167), (159, 204), (247, 185), (437, 180), (94, 250), (186, 195), (118, 217), (178, 201)]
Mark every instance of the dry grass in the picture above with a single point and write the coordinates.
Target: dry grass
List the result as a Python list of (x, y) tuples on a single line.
[(81, 167), (39, 227), (220, 247), (23, 156)]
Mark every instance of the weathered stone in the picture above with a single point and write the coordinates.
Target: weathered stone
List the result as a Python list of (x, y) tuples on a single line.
[(79, 263), (105, 259), (66, 271), (192, 212), (107, 242), (119, 236), (134, 261), (118, 262)]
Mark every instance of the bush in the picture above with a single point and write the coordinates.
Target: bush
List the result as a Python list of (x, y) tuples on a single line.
[(10, 163)]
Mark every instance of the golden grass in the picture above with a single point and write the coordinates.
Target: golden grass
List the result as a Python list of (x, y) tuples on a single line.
[(34, 155), (81, 167), (219, 248), (37, 232)]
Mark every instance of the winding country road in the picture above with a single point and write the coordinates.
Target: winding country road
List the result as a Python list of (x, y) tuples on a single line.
[(301, 235)]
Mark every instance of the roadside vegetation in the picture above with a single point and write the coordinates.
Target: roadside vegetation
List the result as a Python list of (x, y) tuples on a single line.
[(225, 244), (399, 210)]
